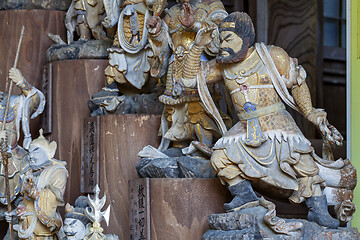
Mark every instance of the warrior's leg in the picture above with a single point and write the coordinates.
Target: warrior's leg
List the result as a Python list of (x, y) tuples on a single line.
[(84, 32), (309, 187), (229, 173), (204, 136)]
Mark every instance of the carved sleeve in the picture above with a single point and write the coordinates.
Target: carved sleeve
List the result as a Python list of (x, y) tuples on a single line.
[(161, 45), (32, 94), (50, 198), (302, 97)]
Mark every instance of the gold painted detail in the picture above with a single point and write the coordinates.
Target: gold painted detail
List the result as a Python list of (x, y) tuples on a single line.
[(92, 3), (302, 97), (129, 2), (127, 27), (227, 25)]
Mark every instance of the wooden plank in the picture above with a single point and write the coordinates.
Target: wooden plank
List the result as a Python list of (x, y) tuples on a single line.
[(293, 26), (175, 208), (262, 21), (121, 137), (38, 23), (239, 5), (74, 81)]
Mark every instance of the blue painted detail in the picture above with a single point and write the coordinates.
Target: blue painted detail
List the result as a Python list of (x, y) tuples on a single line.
[(10, 115), (254, 135)]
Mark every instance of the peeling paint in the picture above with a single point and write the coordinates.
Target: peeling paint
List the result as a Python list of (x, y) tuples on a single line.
[(141, 120)]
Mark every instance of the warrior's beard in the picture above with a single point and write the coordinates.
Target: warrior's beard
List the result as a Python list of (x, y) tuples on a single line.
[(37, 169), (233, 57)]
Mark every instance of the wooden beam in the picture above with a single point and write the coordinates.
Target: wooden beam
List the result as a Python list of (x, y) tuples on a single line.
[(262, 21)]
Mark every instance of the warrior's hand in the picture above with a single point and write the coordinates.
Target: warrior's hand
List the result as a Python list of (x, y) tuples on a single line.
[(15, 75), (54, 224), (9, 216), (107, 22), (205, 35), (20, 211), (153, 24), (330, 133), (3, 135), (188, 20), (28, 187)]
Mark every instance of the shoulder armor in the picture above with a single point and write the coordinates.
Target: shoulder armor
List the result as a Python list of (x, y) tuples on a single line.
[(281, 60)]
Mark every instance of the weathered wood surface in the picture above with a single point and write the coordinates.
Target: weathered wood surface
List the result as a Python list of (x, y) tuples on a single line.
[(73, 82), (120, 138), (292, 25), (38, 23), (35, 4), (35, 42), (176, 209)]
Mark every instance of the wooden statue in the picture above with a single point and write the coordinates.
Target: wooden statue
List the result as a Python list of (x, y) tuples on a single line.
[(43, 189), (76, 223), (130, 54), (85, 17), (265, 148), (83, 220), (184, 118)]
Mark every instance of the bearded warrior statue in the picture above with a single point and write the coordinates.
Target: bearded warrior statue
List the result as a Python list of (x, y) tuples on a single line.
[(266, 149)]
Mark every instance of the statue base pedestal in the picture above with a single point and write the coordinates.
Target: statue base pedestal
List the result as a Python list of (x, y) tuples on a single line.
[(67, 87), (261, 222), (174, 208)]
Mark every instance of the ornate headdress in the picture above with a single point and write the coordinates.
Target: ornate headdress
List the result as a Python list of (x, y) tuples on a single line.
[(44, 144), (227, 25)]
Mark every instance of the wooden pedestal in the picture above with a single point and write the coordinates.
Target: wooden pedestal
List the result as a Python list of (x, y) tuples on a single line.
[(73, 82), (110, 147), (174, 209)]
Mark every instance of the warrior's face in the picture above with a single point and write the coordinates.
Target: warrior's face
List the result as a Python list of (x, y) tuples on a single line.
[(38, 158), (74, 229), (232, 48)]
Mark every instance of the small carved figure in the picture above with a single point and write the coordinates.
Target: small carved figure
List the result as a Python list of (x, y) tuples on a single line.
[(184, 117), (129, 66), (85, 16), (43, 188), (265, 148), (83, 220), (76, 222)]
